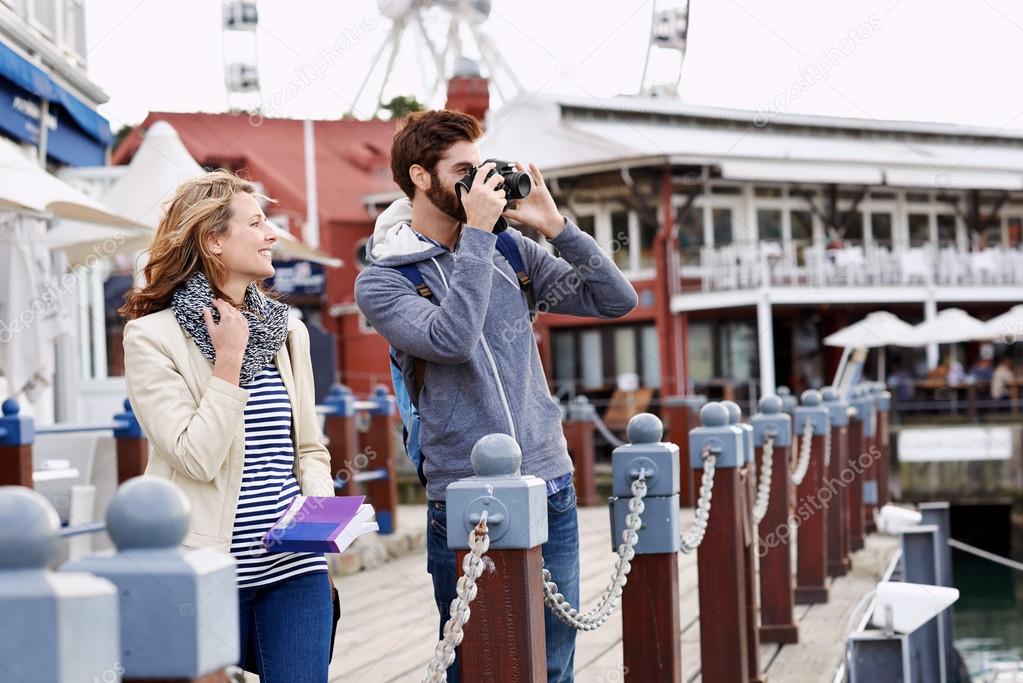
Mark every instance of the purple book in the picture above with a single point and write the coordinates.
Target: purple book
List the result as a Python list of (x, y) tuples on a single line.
[(316, 524)]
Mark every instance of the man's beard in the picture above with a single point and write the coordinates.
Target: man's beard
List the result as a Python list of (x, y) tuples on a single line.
[(444, 198)]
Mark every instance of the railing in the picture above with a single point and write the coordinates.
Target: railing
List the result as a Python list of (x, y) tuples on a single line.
[(748, 266)]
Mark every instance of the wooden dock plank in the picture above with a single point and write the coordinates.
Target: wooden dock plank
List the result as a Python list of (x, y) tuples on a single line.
[(388, 627)]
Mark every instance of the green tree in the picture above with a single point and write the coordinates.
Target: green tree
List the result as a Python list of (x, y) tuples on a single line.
[(402, 106)]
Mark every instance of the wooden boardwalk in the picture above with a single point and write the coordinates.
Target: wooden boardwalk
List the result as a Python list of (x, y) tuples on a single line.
[(388, 626)]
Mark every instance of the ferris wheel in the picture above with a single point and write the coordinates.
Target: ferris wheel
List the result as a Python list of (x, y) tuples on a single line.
[(669, 37), (442, 29)]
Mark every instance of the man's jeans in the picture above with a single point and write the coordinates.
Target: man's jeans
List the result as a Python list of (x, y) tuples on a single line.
[(561, 557)]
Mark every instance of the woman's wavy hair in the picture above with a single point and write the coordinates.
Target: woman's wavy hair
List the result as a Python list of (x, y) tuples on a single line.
[(201, 207)]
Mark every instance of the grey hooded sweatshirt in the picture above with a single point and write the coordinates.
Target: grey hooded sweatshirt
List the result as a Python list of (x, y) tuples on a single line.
[(482, 368)]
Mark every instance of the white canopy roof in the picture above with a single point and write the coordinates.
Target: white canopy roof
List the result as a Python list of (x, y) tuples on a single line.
[(879, 328), (950, 326), (161, 164), (1007, 327), (26, 186)]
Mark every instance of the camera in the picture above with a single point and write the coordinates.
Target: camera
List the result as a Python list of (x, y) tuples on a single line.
[(516, 185)]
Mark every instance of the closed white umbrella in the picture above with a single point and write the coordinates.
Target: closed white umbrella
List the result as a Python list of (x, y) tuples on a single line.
[(950, 326), (26, 187), (879, 328)]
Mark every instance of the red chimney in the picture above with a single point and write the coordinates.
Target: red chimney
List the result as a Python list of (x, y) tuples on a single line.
[(468, 91)]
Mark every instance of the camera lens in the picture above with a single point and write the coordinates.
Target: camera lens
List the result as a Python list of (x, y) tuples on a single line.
[(517, 185)]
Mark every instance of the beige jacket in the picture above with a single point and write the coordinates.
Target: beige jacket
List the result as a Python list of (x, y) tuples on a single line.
[(195, 421)]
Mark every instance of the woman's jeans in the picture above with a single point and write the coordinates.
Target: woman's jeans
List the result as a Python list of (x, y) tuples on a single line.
[(285, 629), (561, 557)]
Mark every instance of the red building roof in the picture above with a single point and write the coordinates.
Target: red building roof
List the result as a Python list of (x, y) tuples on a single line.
[(352, 157)]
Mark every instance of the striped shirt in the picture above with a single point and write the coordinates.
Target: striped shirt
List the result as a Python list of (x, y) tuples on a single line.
[(268, 485)]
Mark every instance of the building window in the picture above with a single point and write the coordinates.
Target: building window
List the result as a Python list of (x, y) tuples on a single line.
[(802, 233), (690, 234), (588, 224), (44, 16), (591, 352), (361, 257), (722, 222), (620, 239), (700, 352), (73, 35), (881, 229), (946, 230), (853, 234), (650, 356), (564, 358), (769, 225), (648, 226), (919, 229)]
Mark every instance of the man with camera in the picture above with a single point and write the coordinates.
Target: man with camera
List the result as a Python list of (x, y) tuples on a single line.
[(442, 286)]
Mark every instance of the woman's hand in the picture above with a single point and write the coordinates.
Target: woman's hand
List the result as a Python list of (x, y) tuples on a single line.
[(229, 338)]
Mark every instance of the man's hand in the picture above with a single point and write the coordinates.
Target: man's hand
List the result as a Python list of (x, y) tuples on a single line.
[(483, 203), (538, 210)]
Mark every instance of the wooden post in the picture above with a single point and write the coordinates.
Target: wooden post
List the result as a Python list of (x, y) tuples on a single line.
[(834, 488), (680, 414), (132, 446), (777, 618), (578, 428), (16, 435), (724, 644), (342, 438), (812, 546), (884, 402), (504, 639), (651, 617), (854, 500), (749, 542), (378, 447)]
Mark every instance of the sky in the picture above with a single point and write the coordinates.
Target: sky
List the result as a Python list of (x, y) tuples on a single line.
[(923, 60)]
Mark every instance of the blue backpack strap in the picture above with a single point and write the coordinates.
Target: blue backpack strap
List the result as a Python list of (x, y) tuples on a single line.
[(510, 251), (412, 274)]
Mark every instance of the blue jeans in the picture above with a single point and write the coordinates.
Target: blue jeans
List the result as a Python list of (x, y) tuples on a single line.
[(285, 629), (561, 557)]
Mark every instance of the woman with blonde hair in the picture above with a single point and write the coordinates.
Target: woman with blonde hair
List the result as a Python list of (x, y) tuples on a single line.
[(220, 379)]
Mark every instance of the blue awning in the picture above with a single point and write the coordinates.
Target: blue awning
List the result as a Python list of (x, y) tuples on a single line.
[(31, 78)]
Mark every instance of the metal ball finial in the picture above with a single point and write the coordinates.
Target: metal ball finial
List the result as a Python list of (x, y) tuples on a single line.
[(734, 412), (11, 407), (810, 397), (770, 405), (496, 455), (28, 529), (783, 391), (713, 414), (645, 428), (829, 394), (148, 512)]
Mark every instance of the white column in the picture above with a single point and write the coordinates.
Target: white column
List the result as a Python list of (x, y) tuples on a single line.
[(765, 343), (930, 312)]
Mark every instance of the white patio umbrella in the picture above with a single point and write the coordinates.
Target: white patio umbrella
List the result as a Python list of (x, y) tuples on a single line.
[(878, 330), (950, 326), (27, 188), (161, 164), (1007, 327)]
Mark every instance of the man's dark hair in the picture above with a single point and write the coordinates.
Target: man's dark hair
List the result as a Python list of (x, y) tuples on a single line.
[(423, 137)]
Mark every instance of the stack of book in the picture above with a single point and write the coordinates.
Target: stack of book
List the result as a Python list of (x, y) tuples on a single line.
[(314, 524)]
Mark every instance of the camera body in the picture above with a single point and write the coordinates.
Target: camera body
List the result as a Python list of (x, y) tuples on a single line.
[(516, 185)]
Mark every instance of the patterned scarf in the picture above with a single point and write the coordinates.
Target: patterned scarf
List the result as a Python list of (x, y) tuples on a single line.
[(268, 322)]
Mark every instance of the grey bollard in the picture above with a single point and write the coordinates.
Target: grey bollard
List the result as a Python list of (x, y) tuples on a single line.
[(772, 422), (178, 607), (659, 461), (937, 514), (580, 408), (788, 401), (516, 505), (735, 418), (839, 542), (862, 402), (920, 565), (54, 628)]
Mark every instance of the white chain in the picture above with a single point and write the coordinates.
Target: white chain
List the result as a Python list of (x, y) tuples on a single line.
[(472, 568), (605, 431), (804, 454), (764, 484), (691, 539), (608, 602)]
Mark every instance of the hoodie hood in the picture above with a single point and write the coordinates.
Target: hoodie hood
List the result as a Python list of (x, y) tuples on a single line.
[(394, 243)]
